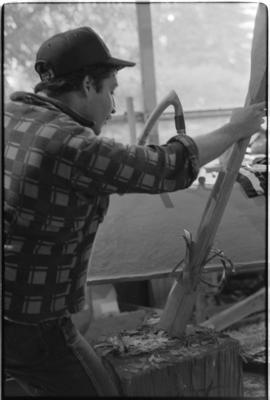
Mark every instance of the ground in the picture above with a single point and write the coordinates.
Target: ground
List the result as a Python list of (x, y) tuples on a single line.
[(255, 385)]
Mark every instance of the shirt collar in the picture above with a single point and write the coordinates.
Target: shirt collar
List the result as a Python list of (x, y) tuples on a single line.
[(44, 100)]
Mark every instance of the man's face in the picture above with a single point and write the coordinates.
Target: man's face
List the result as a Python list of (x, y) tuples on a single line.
[(100, 105)]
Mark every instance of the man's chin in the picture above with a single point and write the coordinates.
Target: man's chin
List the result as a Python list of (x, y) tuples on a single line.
[(97, 130)]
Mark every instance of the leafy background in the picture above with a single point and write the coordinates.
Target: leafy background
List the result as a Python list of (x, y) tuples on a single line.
[(202, 50)]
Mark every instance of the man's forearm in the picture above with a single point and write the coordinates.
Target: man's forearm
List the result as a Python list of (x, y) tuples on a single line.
[(244, 122), (213, 144)]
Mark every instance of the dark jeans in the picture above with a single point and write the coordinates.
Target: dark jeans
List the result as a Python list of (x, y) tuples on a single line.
[(53, 359)]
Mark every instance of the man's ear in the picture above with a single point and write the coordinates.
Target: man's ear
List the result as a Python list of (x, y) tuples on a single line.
[(87, 85)]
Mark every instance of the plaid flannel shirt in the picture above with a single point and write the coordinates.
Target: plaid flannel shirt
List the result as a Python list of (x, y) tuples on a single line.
[(58, 175)]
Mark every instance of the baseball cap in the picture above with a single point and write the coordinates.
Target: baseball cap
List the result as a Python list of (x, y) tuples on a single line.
[(73, 50)]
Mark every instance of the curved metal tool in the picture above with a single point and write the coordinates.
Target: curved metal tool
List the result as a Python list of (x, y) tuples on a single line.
[(170, 100)]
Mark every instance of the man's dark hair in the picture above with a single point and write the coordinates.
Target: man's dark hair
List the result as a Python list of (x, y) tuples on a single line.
[(73, 81)]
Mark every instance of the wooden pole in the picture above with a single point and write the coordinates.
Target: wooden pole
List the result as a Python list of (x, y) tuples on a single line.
[(131, 119), (181, 300), (147, 63)]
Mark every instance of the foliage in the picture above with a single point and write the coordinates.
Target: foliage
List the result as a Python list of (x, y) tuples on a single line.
[(201, 49)]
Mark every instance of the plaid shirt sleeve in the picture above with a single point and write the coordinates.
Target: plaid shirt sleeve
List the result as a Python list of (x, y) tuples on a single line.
[(105, 166)]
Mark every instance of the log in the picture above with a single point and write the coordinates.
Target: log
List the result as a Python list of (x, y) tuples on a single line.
[(146, 362), (250, 305)]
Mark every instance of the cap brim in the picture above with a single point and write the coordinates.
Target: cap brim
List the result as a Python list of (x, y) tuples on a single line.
[(119, 64)]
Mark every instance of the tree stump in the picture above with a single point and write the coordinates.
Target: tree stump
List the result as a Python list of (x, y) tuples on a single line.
[(146, 362)]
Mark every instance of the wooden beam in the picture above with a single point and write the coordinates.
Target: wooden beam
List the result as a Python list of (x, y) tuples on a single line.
[(189, 114), (131, 120), (254, 303), (182, 298), (147, 63), (240, 268)]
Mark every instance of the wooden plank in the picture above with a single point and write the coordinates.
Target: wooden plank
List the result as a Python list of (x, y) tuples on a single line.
[(147, 63), (182, 298), (252, 319), (189, 114), (254, 303), (240, 268)]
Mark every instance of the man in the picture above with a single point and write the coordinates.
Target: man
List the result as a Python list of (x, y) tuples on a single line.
[(58, 176)]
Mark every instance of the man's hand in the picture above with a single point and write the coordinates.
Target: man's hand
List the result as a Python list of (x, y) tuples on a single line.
[(248, 120), (244, 123)]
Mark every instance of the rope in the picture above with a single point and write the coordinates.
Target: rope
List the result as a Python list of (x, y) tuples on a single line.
[(228, 266)]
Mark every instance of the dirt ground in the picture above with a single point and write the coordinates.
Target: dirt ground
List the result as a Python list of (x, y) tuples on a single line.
[(253, 342), (255, 386), (251, 333)]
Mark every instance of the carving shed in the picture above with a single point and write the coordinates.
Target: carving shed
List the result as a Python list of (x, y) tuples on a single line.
[(176, 303)]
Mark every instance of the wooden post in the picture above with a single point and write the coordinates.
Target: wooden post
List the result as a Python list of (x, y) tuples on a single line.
[(147, 63), (131, 119), (182, 298)]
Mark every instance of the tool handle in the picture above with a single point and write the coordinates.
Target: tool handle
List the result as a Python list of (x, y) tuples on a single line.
[(170, 99)]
